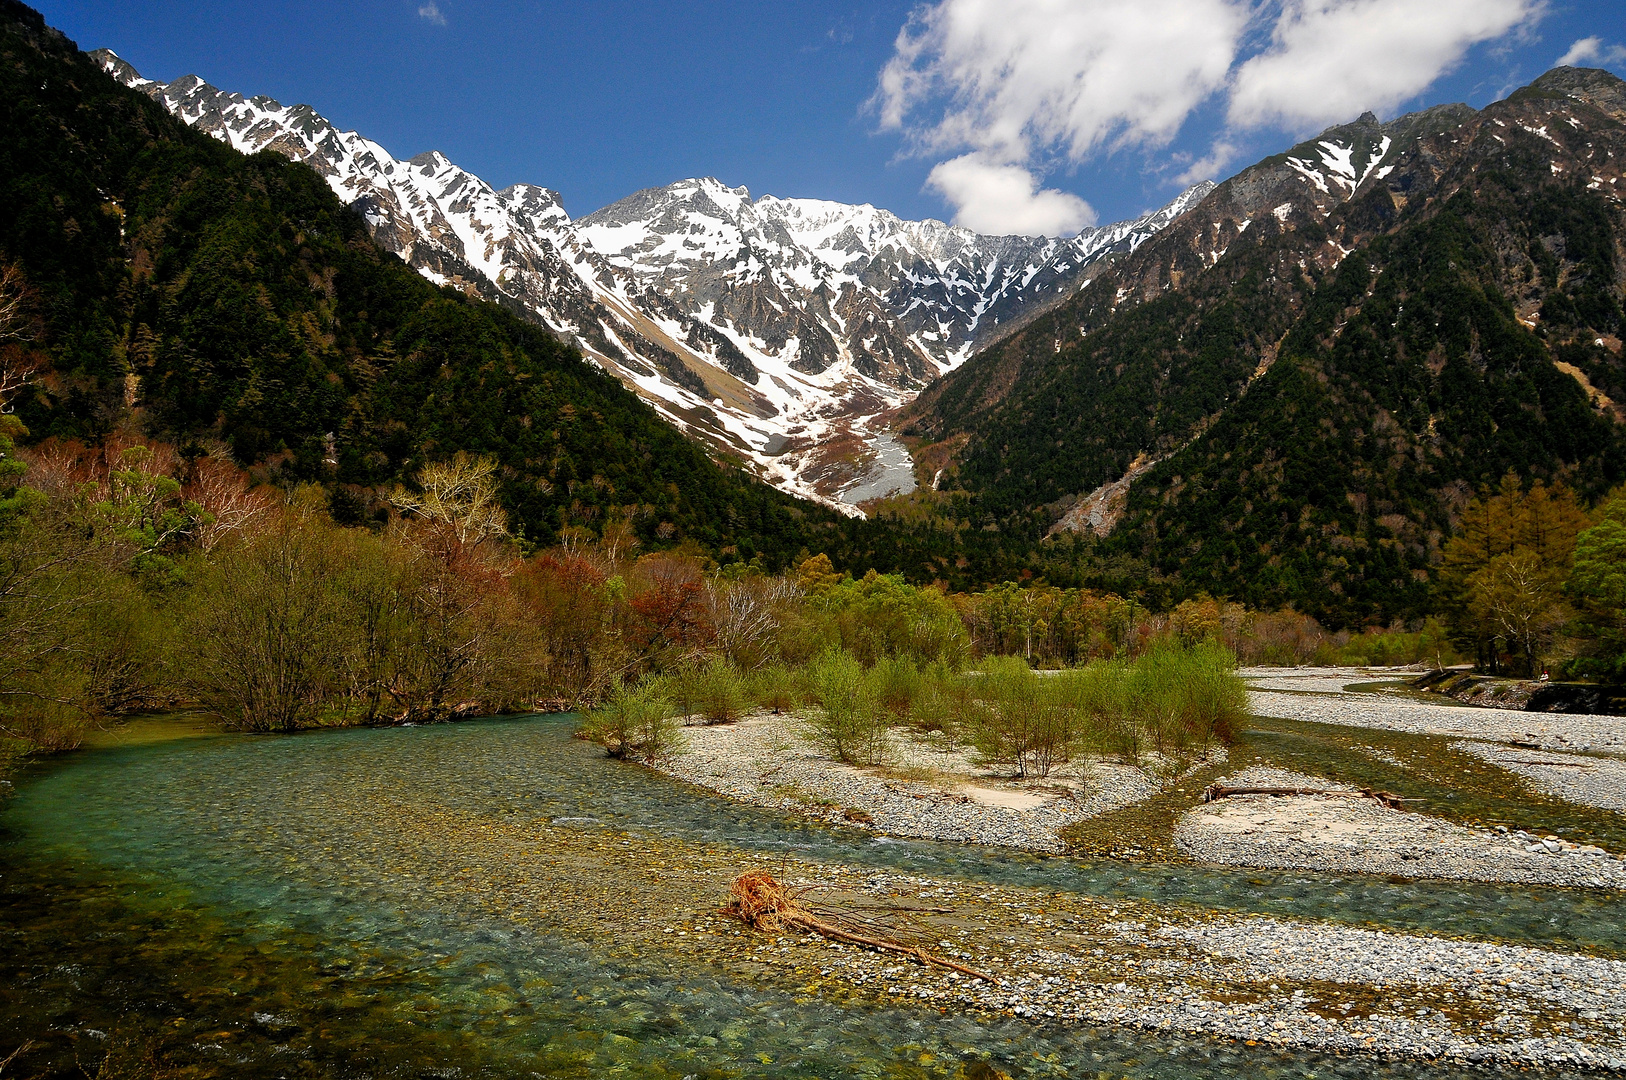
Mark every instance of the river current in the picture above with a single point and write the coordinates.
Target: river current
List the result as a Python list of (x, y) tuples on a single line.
[(298, 906)]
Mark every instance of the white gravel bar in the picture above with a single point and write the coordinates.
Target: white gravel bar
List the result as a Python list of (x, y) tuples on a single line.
[(1579, 778), (1557, 731), (769, 761), (1342, 834), (1328, 680), (1276, 981)]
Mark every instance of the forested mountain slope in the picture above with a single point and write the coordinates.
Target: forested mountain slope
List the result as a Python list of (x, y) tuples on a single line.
[(1309, 373), (179, 286)]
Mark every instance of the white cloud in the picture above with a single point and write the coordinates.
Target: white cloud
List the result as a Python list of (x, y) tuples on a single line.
[(1015, 86), (1329, 60), (1012, 76), (1005, 200), (431, 12), (1211, 164), (1592, 51)]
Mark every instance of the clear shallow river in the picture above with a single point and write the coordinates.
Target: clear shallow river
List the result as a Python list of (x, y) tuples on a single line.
[(247, 906)]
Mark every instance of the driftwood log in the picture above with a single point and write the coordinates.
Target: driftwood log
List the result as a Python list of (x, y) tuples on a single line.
[(760, 901), (1387, 798)]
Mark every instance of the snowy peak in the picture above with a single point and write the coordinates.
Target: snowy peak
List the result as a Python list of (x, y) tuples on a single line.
[(943, 290), (1343, 158)]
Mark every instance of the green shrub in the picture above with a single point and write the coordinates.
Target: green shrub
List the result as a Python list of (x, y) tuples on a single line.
[(635, 721), (1183, 697), (940, 700), (774, 687), (881, 615), (715, 690), (1103, 720), (848, 722), (1021, 720), (1391, 648), (895, 682)]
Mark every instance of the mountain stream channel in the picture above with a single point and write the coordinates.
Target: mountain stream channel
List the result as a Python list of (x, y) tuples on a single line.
[(495, 898)]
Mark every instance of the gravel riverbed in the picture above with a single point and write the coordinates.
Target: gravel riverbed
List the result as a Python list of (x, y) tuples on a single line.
[(1341, 834), (1556, 731), (1321, 679), (1063, 958), (1581, 778), (1066, 959), (1059, 958)]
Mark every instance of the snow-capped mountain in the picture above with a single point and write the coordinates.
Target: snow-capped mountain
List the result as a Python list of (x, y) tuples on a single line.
[(780, 330), (904, 300)]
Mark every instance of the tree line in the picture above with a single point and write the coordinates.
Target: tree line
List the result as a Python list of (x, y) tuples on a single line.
[(135, 577)]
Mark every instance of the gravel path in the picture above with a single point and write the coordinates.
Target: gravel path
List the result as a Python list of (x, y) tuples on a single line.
[(766, 760), (1573, 731), (1353, 835), (1591, 781)]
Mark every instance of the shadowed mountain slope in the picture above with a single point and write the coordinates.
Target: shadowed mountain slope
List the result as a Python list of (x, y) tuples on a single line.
[(1307, 375), (777, 330)]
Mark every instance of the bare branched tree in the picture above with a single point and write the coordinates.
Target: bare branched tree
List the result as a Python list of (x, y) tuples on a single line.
[(222, 490), (1522, 601), (17, 365), (745, 615), (460, 493)]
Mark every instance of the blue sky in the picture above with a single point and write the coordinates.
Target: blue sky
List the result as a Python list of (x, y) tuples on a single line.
[(1011, 115)]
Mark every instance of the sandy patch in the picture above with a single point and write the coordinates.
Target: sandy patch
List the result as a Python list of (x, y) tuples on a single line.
[(1006, 797)]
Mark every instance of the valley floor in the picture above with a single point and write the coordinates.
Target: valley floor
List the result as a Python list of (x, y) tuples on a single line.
[(1275, 981), (1282, 982)]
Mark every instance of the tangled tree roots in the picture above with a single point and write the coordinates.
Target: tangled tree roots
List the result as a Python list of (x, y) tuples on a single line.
[(757, 899)]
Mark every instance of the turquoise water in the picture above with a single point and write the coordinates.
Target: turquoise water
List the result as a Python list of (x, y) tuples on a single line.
[(227, 903)]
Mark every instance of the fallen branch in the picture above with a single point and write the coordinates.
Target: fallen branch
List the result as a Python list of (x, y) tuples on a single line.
[(15, 1054), (759, 901), (1387, 798)]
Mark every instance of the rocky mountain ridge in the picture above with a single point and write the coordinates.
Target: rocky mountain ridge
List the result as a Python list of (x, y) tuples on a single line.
[(779, 330), (1298, 189), (1289, 394)]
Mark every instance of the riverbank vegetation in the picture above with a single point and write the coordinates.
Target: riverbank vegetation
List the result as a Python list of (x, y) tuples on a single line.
[(140, 577), (1173, 698), (1532, 582)]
